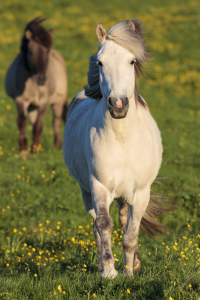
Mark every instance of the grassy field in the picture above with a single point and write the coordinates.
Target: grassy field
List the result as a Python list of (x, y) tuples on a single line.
[(47, 248)]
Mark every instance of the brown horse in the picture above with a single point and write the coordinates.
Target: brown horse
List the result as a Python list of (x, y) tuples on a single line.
[(36, 79)]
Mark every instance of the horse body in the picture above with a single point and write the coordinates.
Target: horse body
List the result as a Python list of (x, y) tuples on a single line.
[(96, 140), (112, 145), (34, 88)]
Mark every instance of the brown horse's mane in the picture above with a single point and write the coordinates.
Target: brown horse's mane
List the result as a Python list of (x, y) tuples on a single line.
[(39, 34)]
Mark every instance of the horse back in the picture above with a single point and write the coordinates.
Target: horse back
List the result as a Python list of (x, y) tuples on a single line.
[(16, 77)]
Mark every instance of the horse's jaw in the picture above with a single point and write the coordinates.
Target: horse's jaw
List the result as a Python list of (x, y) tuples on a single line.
[(118, 113)]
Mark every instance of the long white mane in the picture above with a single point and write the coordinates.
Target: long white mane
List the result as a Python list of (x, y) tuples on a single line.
[(133, 41)]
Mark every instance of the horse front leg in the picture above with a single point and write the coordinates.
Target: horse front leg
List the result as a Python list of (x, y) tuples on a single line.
[(130, 239), (123, 212), (103, 223), (87, 200), (21, 122), (37, 128)]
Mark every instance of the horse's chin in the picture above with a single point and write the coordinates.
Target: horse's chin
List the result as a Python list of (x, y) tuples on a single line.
[(118, 113)]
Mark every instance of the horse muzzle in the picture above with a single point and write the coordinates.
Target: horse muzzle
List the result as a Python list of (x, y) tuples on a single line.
[(118, 107), (41, 79)]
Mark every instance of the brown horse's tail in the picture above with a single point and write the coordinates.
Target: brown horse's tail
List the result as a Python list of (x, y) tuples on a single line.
[(65, 108), (150, 226)]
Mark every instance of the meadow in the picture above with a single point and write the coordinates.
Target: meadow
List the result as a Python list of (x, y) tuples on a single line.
[(47, 247)]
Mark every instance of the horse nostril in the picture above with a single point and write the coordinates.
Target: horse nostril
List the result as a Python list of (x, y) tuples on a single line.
[(126, 101), (109, 101)]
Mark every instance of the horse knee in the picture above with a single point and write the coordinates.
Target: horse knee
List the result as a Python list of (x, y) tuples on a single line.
[(103, 222)]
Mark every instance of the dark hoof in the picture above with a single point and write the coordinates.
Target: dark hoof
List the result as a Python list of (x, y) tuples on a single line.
[(24, 154), (58, 144)]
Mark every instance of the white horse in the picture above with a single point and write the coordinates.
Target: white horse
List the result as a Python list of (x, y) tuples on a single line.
[(112, 145)]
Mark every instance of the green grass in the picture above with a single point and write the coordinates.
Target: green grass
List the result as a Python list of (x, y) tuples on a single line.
[(47, 248)]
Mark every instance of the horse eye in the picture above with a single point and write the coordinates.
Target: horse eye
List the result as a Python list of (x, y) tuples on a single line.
[(99, 63), (132, 62)]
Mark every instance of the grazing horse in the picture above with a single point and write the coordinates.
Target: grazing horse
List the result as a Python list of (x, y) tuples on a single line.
[(36, 79), (112, 145)]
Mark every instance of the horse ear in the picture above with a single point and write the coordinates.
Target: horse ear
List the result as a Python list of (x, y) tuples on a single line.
[(28, 34), (132, 25), (100, 32)]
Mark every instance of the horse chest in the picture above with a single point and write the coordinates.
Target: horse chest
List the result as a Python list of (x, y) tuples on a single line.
[(120, 167), (34, 94)]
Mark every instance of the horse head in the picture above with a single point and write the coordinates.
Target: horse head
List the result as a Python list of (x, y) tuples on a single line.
[(36, 44), (118, 62)]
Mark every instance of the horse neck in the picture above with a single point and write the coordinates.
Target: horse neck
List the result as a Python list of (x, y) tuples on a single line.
[(122, 128)]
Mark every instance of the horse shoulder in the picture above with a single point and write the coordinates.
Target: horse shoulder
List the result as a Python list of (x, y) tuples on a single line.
[(76, 101), (16, 77)]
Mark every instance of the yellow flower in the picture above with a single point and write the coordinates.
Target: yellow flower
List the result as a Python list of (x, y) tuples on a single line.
[(128, 291), (15, 230), (23, 168), (170, 298), (116, 259), (165, 267), (35, 275), (60, 289), (94, 295), (126, 266), (190, 285)]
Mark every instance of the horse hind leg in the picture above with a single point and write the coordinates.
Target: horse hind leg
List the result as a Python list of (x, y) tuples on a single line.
[(123, 212), (64, 112), (57, 118)]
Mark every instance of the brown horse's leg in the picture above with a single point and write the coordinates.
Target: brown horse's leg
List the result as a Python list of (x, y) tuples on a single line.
[(57, 118), (64, 112), (123, 211), (21, 122), (37, 128)]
